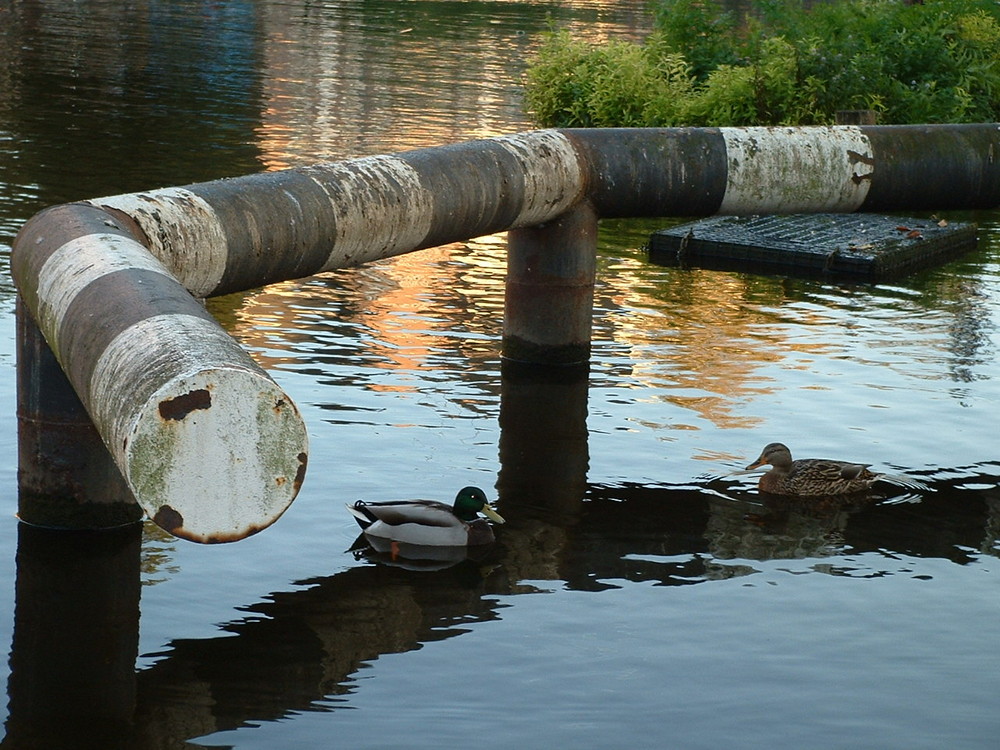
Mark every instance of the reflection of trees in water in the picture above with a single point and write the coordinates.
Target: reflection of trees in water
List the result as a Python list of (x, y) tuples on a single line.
[(955, 313), (425, 322), (706, 342), (158, 78), (358, 78)]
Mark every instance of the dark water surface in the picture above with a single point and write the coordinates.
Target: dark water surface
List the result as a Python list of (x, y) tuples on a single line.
[(641, 594)]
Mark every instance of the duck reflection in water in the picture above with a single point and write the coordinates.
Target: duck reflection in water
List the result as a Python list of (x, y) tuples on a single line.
[(428, 533)]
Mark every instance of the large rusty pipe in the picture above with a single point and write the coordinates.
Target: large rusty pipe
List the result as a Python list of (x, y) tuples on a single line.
[(241, 233), (781, 170), (173, 396), (211, 447)]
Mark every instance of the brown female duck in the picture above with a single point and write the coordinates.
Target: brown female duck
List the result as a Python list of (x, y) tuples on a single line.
[(813, 477)]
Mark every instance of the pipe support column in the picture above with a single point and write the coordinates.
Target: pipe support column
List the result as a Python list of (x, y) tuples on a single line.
[(549, 301), (66, 477)]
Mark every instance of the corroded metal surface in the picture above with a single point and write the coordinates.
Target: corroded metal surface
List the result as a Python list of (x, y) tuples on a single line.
[(211, 446), (548, 307), (237, 234), (66, 477)]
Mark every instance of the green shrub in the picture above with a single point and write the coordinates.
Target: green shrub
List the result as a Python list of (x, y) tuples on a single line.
[(559, 82), (766, 90), (784, 64), (702, 31), (619, 84)]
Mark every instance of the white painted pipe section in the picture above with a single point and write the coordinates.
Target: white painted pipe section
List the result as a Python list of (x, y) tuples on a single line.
[(212, 451), (183, 232), (211, 447), (792, 170)]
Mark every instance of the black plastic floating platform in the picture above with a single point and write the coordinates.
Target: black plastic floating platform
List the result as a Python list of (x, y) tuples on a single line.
[(867, 247)]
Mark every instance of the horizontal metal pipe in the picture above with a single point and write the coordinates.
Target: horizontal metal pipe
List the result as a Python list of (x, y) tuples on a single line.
[(237, 234), (760, 170), (211, 447)]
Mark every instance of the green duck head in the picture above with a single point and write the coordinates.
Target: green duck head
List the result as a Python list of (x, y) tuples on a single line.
[(470, 502)]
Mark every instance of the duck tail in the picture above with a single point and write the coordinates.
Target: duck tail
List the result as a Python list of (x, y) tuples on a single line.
[(362, 515)]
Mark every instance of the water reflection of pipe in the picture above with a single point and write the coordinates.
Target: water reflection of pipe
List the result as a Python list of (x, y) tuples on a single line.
[(76, 636), (77, 616), (300, 647), (991, 539), (543, 441)]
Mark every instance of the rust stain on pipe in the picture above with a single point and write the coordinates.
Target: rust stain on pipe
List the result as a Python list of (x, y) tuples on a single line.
[(179, 407), (225, 538), (173, 522), (169, 519), (300, 475)]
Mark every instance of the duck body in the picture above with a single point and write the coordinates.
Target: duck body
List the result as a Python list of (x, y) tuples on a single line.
[(811, 477), (429, 523)]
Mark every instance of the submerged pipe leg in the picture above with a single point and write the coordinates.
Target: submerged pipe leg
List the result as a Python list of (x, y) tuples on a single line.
[(66, 476)]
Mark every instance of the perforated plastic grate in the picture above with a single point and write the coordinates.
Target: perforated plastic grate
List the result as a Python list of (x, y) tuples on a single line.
[(864, 246)]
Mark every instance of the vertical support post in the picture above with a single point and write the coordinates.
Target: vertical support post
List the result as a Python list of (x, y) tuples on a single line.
[(66, 476), (550, 289)]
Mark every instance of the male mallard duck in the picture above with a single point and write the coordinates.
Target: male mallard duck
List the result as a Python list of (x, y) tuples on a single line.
[(816, 476), (428, 522)]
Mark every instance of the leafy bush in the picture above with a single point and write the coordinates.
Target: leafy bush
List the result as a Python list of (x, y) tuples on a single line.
[(619, 84), (783, 64)]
